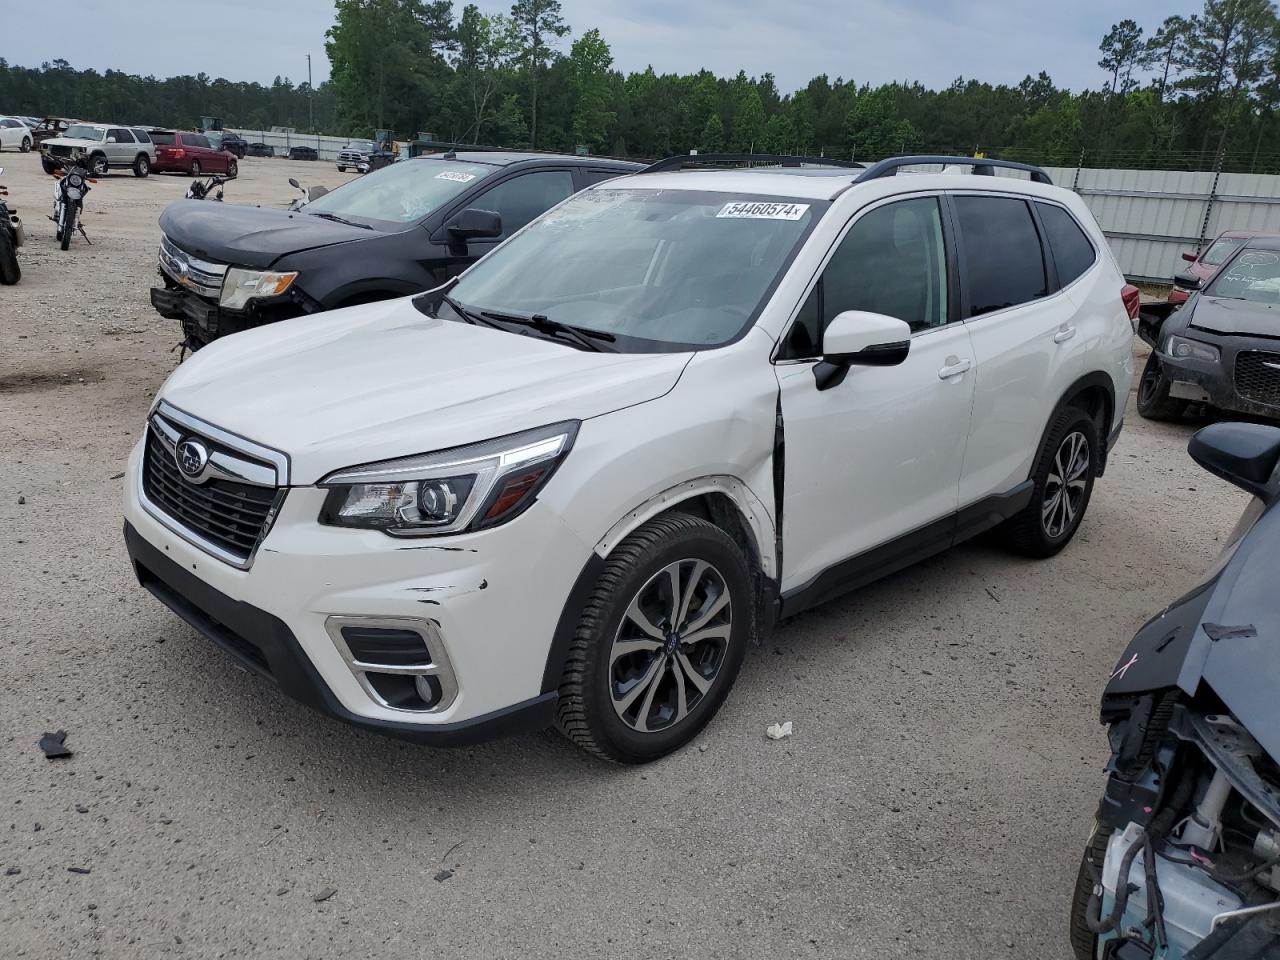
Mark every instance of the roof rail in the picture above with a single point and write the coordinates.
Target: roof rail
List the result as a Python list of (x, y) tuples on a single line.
[(680, 161), (981, 167)]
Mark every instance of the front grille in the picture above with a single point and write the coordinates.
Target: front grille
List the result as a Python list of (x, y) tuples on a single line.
[(201, 276), (58, 150), (1258, 377), (232, 517)]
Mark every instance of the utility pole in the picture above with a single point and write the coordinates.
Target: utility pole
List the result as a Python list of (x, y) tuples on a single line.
[(311, 106)]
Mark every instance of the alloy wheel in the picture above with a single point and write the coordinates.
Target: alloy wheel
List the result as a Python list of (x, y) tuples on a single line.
[(670, 646), (1064, 489), (1150, 382)]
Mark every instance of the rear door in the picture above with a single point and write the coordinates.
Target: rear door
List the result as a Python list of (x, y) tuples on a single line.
[(879, 455), (1025, 342)]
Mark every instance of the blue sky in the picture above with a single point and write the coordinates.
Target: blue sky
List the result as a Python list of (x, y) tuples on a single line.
[(932, 41)]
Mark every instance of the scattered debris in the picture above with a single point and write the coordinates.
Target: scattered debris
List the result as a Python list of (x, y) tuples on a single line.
[(325, 894), (81, 808), (54, 745), (282, 891), (778, 731), (21, 500), (443, 875), (81, 870), (13, 871), (117, 476), (451, 849), (992, 594)]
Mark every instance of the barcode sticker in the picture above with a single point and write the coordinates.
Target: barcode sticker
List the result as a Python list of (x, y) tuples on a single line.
[(742, 210)]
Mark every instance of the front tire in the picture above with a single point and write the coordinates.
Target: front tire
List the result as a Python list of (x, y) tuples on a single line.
[(142, 165), (99, 165), (233, 170), (1062, 484), (660, 641), (1154, 402), (1084, 942), (68, 225), (342, 169), (49, 166), (10, 271)]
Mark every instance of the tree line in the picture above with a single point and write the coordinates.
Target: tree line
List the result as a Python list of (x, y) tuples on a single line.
[(1183, 93)]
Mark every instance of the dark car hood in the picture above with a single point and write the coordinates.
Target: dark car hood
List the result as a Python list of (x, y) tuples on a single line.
[(1237, 605), (1241, 317), (249, 236)]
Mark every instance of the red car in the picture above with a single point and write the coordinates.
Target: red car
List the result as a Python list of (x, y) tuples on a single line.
[(1205, 264), (178, 151)]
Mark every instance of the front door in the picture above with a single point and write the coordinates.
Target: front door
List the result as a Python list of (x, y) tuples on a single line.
[(879, 455), (121, 147)]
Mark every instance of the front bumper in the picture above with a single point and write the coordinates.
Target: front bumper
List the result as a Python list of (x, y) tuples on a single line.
[(1214, 383), (204, 322), (496, 598)]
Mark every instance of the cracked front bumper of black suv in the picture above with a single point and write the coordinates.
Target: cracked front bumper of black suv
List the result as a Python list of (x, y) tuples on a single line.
[(203, 321)]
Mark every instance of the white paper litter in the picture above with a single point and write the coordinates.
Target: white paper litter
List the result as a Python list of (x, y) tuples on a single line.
[(778, 731)]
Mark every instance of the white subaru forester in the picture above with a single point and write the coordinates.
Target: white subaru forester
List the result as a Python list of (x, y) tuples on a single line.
[(574, 484)]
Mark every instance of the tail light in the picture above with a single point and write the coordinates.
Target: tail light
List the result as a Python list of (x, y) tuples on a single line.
[(1132, 298)]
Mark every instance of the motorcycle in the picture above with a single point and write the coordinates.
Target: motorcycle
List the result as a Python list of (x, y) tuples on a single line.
[(308, 194), (68, 200), (200, 189), (1184, 861), (11, 238)]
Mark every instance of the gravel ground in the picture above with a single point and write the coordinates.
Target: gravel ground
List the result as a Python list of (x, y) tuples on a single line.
[(932, 803)]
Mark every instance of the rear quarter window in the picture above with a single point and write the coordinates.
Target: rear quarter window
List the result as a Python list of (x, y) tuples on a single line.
[(1004, 264), (142, 136), (1073, 254), (165, 139)]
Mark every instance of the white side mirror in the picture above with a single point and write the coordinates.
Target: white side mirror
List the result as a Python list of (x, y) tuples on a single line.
[(856, 336)]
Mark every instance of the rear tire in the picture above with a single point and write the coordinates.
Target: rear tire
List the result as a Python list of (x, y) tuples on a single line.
[(25, 147), (10, 271), (142, 165), (1154, 402), (1062, 484), (660, 641), (1084, 942)]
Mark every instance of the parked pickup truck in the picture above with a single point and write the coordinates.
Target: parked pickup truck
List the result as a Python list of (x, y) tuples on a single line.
[(103, 147), (399, 230)]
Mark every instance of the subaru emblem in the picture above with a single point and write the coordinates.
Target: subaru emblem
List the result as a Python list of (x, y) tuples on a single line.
[(192, 457)]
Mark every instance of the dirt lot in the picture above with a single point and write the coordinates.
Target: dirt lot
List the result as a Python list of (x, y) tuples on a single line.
[(932, 803)]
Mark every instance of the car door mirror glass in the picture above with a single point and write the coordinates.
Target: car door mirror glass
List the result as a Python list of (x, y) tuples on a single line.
[(1245, 454), (474, 224), (293, 182), (1187, 281)]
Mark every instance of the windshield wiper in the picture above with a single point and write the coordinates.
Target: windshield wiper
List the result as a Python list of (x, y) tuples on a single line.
[(587, 339), (469, 315), (337, 219)]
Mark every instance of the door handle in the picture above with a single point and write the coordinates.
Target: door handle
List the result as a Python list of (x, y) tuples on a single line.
[(1065, 333), (953, 368)]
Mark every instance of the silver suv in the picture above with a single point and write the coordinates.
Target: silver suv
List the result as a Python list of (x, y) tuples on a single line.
[(103, 147)]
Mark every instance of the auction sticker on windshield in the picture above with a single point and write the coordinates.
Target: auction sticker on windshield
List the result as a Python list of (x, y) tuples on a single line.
[(455, 175), (743, 210)]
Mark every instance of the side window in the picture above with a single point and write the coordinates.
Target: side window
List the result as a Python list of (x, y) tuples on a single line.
[(194, 140), (1072, 252), (8, 123), (526, 197), (892, 261), (1003, 259), (592, 177), (120, 136), (141, 136)]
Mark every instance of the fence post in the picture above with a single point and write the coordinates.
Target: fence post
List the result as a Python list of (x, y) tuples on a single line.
[(1079, 163), (1213, 195)]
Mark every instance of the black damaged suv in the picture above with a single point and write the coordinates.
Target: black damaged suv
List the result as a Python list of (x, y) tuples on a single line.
[(398, 231)]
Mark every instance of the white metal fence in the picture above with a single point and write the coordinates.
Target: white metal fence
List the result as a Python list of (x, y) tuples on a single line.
[(1152, 216), (327, 147)]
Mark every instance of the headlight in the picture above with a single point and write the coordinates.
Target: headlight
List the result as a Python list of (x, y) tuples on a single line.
[(1183, 349), (240, 285), (75, 180), (466, 488)]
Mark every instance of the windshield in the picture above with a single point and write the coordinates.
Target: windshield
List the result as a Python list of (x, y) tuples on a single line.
[(84, 131), (657, 269), (1221, 248), (1253, 275), (359, 145), (402, 192)]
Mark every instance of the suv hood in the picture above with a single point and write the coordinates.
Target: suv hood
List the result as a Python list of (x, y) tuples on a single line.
[(382, 380), (250, 236), (1236, 317), (71, 142)]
